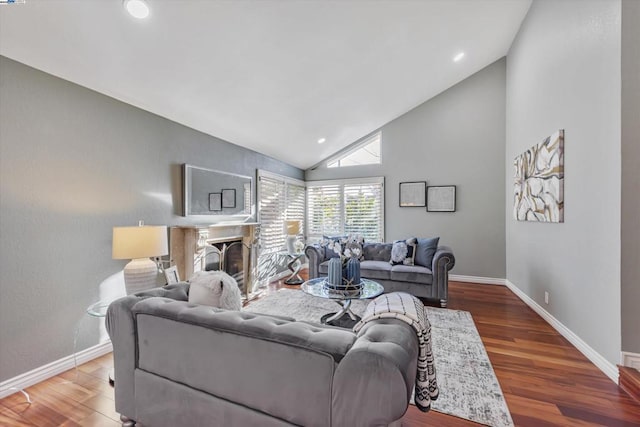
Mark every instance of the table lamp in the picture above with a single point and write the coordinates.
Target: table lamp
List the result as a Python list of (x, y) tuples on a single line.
[(292, 229), (138, 244)]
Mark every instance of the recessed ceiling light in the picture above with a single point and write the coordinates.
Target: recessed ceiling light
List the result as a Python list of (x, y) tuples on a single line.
[(458, 57), (322, 140), (137, 8)]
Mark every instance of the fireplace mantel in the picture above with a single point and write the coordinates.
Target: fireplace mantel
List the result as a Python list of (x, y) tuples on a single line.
[(188, 246)]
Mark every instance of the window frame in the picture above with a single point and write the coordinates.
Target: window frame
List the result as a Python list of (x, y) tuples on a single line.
[(353, 148), (342, 183)]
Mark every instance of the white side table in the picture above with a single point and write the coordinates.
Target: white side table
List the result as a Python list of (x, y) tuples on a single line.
[(99, 310)]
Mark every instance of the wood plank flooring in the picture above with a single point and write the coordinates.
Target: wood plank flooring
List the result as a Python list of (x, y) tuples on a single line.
[(630, 381), (545, 380)]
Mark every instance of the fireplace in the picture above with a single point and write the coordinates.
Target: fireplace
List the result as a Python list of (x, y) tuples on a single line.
[(225, 256), (226, 247)]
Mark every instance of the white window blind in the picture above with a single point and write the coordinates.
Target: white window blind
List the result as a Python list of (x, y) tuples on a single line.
[(363, 210), (295, 202), (271, 213), (279, 198), (343, 207), (324, 210)]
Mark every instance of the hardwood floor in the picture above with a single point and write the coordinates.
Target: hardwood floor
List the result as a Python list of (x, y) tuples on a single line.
[(545, 380)]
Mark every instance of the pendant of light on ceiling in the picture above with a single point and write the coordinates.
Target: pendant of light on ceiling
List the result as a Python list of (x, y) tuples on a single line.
[(137, 8), (458, 57)]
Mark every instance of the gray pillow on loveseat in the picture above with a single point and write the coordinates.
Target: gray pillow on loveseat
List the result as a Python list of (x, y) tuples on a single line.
[(429, 281)]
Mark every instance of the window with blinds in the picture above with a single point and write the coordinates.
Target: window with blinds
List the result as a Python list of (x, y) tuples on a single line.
[(343, 207), (295, 202), (279, 198)]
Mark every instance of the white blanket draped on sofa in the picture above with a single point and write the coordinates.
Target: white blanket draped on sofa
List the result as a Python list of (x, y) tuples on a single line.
[(409, 309)]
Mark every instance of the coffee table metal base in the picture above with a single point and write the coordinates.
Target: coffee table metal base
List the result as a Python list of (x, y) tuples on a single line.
[(345, 318)]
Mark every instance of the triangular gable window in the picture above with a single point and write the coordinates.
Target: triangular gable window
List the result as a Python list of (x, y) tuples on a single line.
[(365, 153)]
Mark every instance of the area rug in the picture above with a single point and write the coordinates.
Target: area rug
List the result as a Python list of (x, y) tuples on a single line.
[(468, 386)]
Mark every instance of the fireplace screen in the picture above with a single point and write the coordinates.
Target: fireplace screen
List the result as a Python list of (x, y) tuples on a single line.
[(227, 257)]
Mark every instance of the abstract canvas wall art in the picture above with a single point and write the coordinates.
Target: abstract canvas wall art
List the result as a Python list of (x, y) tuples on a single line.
[(538, 191)]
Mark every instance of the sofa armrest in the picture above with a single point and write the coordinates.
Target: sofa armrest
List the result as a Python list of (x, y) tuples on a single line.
[(443, 261), (122, 331), (373, 382), (315, 254)]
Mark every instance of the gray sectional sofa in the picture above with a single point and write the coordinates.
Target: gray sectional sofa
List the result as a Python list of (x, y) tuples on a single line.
[(181, 364), (430, 283)]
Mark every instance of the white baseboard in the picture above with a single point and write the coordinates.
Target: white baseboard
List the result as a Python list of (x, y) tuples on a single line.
[(631, 360), (52, 369), (477, 279), (596, 358)]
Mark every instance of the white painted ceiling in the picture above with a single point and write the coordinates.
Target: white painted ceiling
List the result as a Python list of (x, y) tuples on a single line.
[(273, 76)]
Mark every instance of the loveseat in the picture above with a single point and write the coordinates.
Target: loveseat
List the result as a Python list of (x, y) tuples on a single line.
[(421, 281), (182, 364)]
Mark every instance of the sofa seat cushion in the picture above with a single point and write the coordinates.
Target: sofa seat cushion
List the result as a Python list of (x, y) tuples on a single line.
[(411, 273), (375, 269), (368, 269)]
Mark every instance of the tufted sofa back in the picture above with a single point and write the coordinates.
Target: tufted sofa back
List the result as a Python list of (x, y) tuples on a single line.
[(178, 363), (377, 251), (242, 346)]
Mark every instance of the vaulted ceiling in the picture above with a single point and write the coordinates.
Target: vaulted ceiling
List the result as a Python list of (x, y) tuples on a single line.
[(270, 75)]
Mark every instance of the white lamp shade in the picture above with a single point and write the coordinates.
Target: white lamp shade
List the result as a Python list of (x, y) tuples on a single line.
[(140, 242), (292, 226)]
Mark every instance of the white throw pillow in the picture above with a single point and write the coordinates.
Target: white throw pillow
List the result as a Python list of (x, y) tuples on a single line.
[(216, 289), (403, 252)]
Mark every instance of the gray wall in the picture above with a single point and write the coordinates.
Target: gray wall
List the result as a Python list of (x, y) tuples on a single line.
[(73, 164), (563, 72), (456, 138), (630, 235)]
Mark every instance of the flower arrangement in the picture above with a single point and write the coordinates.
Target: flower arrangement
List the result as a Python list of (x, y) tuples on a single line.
[(346, 247), (298, 246), (344, 270)]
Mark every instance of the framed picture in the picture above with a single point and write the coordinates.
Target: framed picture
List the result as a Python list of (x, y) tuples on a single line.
[(538, 191), (215, 201), (413, 194), (171, 274), (441, 198), (228, 198)]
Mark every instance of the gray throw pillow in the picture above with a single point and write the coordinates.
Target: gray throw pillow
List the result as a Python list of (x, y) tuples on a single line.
[(328, 241), (426, 250)]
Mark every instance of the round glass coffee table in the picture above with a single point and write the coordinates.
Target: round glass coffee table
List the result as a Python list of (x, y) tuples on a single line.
[(344, 318)]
